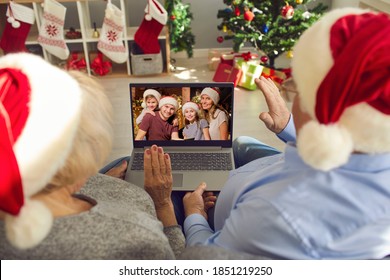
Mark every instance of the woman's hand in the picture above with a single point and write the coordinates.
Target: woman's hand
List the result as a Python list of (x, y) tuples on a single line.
[(118, 171), (158, 183), (278, 115)]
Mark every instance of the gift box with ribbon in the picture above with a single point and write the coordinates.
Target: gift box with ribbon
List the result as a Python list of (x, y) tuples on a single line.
[(250, 71), (214, 58), (247, 56), (75, 62), (276, 75), (99, 65), (227, 73), (227, 58)]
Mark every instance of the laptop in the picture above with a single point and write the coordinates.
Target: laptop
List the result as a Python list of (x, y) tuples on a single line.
[(193, 161)]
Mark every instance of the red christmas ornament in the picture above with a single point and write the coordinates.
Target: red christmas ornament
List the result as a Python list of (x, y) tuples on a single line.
[(220, 39), (248, 16), (237, 11), (264, 59), (287, 11), (172, 17)]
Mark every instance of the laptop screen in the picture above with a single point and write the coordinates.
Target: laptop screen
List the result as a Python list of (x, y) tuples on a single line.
[(200, 123)]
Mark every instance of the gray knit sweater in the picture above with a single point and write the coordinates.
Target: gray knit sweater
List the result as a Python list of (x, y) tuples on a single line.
[(122, 225)]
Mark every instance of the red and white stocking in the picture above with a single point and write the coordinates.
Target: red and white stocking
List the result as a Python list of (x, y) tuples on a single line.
[(110, 40), (51, 32), (19, 21), (147, 34)]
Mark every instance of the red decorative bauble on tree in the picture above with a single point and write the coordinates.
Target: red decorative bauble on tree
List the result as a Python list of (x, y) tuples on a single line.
[(220, 39), (248, 16), (287, 11), (172, 17), (237, 11), (264, 59)]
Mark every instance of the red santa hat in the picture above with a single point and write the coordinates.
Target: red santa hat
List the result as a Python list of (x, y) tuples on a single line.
[(39, 114), (168, 100), (189, 105), (152, 92), (341, 70), (213, 93)]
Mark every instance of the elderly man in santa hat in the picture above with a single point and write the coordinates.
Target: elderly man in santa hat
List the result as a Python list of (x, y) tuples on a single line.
[(327, 196)]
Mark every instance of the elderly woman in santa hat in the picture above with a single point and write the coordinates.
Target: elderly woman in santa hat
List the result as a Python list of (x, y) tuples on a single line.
[(328, 195), (55, 133)]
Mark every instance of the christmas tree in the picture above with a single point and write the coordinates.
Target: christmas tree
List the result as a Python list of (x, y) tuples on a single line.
[(179, 25), (272, 27)]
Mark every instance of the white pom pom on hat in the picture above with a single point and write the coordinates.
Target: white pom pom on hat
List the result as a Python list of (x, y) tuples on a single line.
[(213, 93), (168, 100), (191, 105), (41, 107), (151, 92), (340, 68)]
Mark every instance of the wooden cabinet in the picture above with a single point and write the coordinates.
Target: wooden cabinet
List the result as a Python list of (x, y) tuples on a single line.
[(81, 15)]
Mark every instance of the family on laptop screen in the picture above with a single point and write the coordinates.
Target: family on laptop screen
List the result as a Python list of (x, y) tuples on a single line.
[(182, 112)]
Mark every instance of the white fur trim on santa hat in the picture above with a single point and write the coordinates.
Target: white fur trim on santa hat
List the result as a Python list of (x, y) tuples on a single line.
[(212, 93), (30, 227), (191, 105), (313, 58), (156, 11), (152, 92), (324, 147), (369, 128), (44, 143), (55, 106), (168, 100)]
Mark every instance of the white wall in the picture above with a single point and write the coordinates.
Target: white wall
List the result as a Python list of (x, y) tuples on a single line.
[(344, 3)]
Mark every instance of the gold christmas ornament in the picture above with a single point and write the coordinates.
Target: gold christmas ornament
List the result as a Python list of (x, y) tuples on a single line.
[(299, 1), (224, 28), (290, 54)]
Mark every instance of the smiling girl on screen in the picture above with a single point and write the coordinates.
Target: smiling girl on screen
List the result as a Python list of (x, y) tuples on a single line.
[(195, 128)]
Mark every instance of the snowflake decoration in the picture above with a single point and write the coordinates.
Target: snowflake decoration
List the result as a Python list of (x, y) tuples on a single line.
[(51, 30), (112, 36)]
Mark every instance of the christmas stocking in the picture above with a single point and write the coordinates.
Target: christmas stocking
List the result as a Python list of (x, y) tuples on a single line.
[(147, 34), (51, 33), (110, 40), (19, 21)]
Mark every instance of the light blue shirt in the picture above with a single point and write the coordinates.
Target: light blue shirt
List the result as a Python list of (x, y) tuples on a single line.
[(280, 207)]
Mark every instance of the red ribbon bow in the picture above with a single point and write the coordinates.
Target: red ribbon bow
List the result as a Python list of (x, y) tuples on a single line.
[(248, 56), (75, 63), (275, 77), (99, 66)]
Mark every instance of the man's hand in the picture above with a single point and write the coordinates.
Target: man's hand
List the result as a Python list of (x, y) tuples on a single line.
[(118, 171), (278, 115), (158, 183), (194, 203)]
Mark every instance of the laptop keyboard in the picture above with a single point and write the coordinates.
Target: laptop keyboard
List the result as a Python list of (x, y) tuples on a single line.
[(191, 161)]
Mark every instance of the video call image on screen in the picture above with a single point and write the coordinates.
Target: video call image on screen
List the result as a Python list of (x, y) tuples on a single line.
[(189, 125)]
